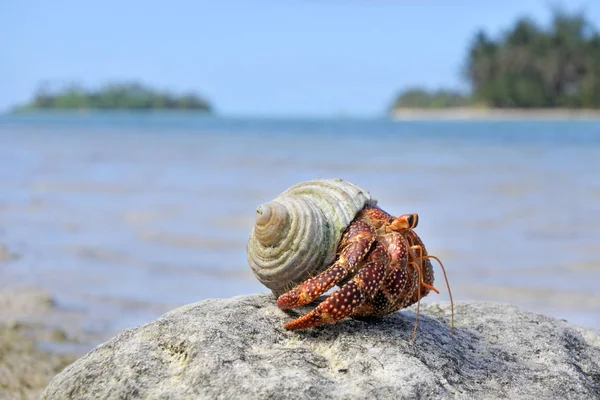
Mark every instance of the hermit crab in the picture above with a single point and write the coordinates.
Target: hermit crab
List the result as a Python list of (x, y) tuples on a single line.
[(328, 232)]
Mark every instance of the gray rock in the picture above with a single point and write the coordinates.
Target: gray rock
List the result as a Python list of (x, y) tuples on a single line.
[(237, 348)]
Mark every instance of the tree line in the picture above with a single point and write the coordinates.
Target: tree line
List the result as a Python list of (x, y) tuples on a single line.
[(128, 95), (528, 66)]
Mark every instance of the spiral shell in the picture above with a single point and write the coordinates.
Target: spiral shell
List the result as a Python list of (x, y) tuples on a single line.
[(295, 236)]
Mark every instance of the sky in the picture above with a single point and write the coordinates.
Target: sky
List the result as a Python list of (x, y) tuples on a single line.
[(255, 57)]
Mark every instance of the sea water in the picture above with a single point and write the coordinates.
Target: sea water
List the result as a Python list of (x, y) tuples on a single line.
[(123, 216)]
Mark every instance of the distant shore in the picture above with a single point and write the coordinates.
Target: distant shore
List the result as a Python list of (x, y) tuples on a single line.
[(487, 114)]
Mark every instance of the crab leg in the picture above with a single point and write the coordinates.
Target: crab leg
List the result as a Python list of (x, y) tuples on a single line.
[(395, 285), (384, 301), (355, 244), (350, 296)]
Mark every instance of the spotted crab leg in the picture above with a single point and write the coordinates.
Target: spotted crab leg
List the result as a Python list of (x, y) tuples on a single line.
[(355, 244), (394, 287), (350, 296)]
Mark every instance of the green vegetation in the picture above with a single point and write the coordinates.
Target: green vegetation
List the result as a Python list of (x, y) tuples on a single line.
[(113, 96), (421, 98), (527, 67)]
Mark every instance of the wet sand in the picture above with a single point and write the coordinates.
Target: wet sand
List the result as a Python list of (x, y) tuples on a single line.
[(487, 114), (29, 355)]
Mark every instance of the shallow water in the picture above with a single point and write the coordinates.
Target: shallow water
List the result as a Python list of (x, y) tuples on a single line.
[(124, 216)]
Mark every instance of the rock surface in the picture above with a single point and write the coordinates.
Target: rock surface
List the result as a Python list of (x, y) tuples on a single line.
[(237, 348)]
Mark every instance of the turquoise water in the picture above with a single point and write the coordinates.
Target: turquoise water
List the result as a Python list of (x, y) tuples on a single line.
[(123, 216)]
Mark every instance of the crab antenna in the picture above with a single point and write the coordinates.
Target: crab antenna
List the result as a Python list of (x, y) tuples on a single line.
[(418, 268), (447, 285), (427, 285)]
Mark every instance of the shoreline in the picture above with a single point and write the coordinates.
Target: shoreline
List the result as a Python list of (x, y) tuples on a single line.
[(490, 114), (32, 349), (400, 114)]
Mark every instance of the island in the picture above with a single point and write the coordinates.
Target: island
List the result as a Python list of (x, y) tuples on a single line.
[(527, 69), (112, 96)]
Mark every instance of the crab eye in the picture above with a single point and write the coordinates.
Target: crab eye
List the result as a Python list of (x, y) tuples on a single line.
[(413, 220)]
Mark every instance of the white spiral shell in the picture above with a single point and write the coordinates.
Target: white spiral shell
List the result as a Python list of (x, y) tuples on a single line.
[(295, 236)]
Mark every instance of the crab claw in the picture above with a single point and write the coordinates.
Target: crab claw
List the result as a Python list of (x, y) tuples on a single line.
[(336, 307), (355, 244), (350, 296), (311, 289)]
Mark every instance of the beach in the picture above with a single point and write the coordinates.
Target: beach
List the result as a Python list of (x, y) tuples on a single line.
[(495, 114), (29, 355)]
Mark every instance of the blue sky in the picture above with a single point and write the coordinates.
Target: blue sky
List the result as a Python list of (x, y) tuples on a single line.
[(254, 57)]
